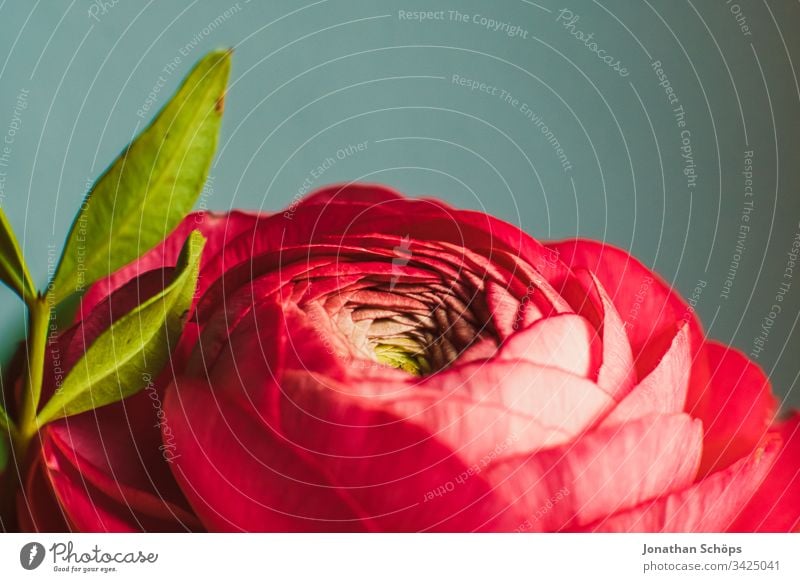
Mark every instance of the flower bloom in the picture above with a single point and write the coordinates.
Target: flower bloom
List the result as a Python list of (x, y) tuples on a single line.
[(369, 362)]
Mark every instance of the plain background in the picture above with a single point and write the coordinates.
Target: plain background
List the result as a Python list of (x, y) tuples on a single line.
[(311, 79)]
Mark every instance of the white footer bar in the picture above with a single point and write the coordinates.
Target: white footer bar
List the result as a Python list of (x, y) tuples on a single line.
[(406, 558)]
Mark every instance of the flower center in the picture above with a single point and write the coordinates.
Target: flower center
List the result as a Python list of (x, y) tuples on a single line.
[(414, 328), (403, 354)]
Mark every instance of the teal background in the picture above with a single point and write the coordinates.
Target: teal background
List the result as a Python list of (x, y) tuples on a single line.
[(312, 78)]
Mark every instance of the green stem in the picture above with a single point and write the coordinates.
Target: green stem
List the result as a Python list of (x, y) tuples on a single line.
[(37, 344)]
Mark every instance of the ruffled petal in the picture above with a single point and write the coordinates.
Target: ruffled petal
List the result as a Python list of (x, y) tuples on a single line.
[(650, 307)]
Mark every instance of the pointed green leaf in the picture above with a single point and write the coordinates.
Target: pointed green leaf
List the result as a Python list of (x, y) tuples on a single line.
[(13, 270), (134, 349), (151, 186)]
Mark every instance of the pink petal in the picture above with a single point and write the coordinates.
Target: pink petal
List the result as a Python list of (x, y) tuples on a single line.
[(554, 398), (737, 407), (353, 192), (333, 466), (505, 309), (602, 472), (237, 472), (37, 506), (563, 341), (662, 391), (114, 457), (85, 508), (710, 505), (90, 509), (775, 507), (401, 477), (475, 430), (616, 374)]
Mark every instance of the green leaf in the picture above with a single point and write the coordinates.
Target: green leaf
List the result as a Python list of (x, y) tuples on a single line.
[(151, 186), (13, 270), (134, 349)]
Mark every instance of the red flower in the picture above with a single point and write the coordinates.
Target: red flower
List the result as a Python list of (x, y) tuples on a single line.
[(369, 362)]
